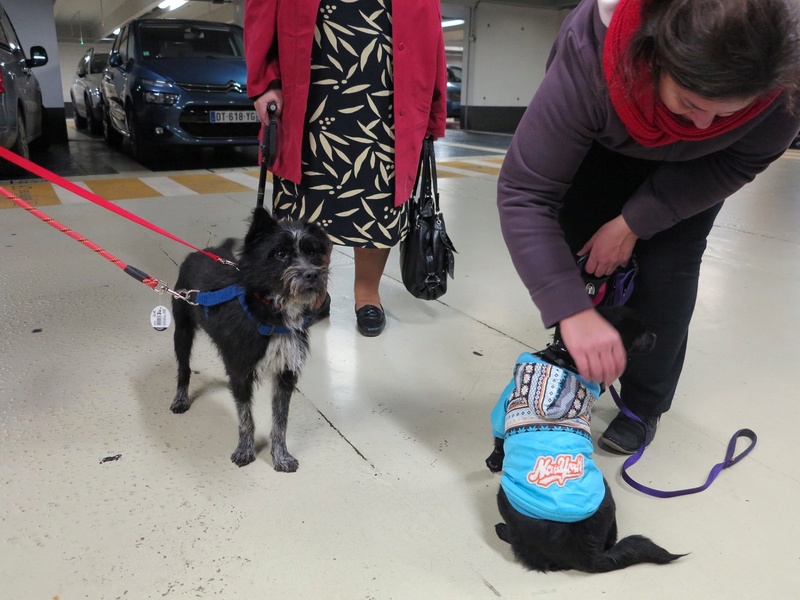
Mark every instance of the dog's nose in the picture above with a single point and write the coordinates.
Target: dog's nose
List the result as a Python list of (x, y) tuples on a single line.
[(311, 275)]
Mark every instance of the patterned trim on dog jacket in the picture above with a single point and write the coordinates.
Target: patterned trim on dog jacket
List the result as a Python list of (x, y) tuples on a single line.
[(543, 415)]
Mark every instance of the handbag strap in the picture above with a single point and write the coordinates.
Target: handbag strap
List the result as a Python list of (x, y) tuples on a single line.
[(428, 142), (426, 175)]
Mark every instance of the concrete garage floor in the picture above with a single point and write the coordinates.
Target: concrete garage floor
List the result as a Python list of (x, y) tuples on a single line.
[(392, 499)]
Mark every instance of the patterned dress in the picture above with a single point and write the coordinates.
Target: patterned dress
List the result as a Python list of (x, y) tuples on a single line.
[(347, 184)]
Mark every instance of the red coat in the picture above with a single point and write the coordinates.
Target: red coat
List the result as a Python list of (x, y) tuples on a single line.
[(278, 35)]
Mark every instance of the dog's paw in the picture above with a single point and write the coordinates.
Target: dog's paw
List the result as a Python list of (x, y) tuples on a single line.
[(285, 464), (243, 457), (180, 404), (495, 462)]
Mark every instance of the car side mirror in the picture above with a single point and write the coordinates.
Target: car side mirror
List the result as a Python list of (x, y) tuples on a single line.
[(115, 60), (38, 57)]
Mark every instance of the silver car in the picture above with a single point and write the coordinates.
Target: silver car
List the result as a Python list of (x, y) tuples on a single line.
[(87, 104), (21, 109)]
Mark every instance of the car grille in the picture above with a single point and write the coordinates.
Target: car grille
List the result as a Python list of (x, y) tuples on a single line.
[(195, 121), (231, 86)]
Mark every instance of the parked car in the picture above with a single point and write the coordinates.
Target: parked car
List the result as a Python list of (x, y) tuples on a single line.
[(87, 107), (453, 91), (177, 82), (21, 109)]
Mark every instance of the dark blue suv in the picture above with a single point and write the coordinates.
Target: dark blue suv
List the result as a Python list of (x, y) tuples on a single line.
[(177, 82)]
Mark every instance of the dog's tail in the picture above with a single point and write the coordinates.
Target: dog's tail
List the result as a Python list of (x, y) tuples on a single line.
[(631, 550)]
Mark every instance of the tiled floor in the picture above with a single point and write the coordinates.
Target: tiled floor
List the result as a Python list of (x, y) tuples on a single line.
[(392, 499)]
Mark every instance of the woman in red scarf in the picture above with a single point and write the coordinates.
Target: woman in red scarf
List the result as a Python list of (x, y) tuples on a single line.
[(651, 114)]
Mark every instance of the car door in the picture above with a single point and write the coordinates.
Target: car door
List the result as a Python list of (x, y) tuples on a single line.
[(21, 79), (115, 80)]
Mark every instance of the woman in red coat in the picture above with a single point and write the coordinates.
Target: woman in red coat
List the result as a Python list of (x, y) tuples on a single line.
[(358, 85)]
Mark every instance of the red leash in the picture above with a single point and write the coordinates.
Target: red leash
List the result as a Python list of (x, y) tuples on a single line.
[(146, 279), (92, 197)]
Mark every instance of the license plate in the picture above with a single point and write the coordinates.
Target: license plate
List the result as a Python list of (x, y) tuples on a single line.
[(232, 116)]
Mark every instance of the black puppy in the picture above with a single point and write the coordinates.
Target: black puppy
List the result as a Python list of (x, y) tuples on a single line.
[(256, 314), (558, 509)]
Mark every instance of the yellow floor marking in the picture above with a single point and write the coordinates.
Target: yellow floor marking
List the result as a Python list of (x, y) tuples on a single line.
[(440, 173), (121, 189), (257, 173), (43, 194), (472, 167), (495, 159), (37, 194), (208, 183)]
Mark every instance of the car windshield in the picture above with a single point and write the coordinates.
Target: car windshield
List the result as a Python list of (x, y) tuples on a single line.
[(158, 41), (454, 74)]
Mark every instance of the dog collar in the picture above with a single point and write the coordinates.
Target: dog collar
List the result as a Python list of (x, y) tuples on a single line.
[(206, 299)]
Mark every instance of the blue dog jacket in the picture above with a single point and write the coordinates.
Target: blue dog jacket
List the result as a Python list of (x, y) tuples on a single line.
[(543, 415)]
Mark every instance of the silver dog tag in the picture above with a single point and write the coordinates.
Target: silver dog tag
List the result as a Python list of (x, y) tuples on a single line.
[(160, 318)]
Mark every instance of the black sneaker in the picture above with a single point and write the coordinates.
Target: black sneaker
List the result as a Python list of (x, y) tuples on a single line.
[(626, 436)]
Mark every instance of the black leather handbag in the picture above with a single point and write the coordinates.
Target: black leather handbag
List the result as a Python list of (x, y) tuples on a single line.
[(426, 253)]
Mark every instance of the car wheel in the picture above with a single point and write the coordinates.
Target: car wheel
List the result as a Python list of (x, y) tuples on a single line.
[(110, 135), (9, 170), (80, 122), (139, 148), (95, 126), (21, 145)]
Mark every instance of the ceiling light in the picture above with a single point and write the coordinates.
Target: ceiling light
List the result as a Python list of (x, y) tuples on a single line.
[(452, 23), (172, 4)]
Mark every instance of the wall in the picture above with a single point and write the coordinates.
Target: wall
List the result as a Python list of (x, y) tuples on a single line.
[(507, 49), (35, 25)]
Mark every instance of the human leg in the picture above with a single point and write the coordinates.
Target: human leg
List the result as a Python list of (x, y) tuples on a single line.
[(665, 292), (665, 289), (369, 266)]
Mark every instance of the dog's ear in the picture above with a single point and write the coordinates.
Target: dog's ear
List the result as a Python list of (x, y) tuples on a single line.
[(262, 224)]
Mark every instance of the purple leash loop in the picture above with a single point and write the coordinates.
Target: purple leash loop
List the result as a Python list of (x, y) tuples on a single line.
[(731, 458)]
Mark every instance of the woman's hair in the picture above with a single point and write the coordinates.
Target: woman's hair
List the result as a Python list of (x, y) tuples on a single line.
[(722, 49)]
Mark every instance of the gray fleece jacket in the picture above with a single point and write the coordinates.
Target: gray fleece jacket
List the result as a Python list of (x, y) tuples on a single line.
[(569, 111)]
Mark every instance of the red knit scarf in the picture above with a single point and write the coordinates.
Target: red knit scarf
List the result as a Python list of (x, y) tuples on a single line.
[(644, 115)]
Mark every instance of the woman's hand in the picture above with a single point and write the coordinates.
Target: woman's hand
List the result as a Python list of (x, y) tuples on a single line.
[(595, 346), (274, 95), (610, 247)]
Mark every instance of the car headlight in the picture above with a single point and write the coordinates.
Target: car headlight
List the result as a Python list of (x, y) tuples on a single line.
[(157, 96), (161, 98)]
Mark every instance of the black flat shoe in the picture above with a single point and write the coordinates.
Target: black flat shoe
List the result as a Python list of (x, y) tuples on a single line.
[(370, 320), (317, 314), (625, 436)]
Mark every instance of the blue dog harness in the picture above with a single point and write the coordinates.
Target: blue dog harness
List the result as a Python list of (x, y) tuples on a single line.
[(206, 299), (543, 415)]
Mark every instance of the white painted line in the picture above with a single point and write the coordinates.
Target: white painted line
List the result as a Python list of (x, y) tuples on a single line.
[(167, 187), (67, 197), (244, 179), (485, 149)]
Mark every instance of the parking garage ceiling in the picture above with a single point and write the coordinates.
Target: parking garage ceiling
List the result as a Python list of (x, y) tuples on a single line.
[(91, 20)]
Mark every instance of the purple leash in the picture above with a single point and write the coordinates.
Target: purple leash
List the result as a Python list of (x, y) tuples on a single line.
[(731, 458)]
